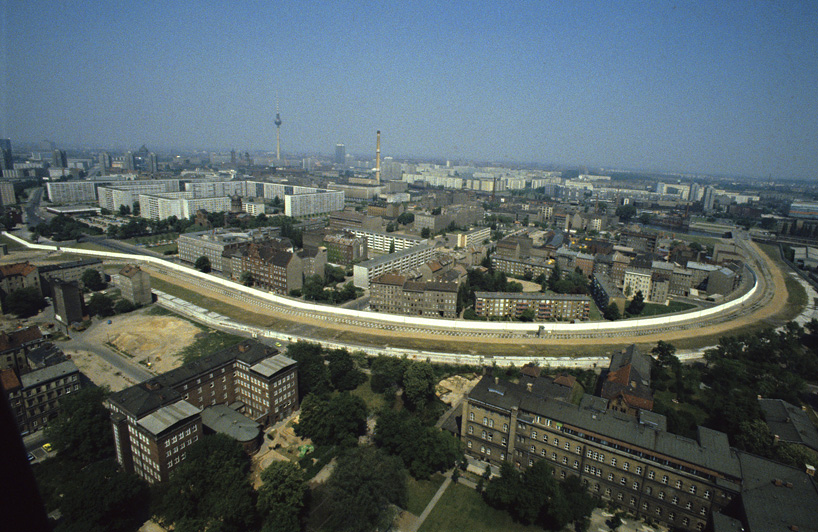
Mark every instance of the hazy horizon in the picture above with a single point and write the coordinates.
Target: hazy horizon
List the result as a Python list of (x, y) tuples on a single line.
[(724, 88)]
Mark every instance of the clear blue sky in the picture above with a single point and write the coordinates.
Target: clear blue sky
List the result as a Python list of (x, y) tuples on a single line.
[(714, 86)]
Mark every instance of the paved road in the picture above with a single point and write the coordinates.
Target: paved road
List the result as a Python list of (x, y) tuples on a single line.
[(78, 342)]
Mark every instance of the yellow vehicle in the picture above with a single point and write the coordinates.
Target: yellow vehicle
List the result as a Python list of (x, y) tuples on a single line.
[(47, 447)]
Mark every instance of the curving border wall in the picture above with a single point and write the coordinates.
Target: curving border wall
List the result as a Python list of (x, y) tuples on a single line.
[(544, 328)]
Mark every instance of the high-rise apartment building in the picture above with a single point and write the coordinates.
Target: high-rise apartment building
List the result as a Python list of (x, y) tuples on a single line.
[(340, 154)]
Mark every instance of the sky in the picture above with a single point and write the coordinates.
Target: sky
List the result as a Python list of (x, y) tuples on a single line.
[(701, 87)]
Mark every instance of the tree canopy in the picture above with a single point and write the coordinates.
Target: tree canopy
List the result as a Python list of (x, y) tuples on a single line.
[(313, 375), (281, 497), (210, 490), (365, 481), (344, 375), (202, 264), (92, 280), (25, 302), (101, 305), (336, 420), (81, 432), (419, 384)]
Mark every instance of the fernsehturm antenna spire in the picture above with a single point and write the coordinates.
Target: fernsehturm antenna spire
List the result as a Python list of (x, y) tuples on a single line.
[(278, 131)]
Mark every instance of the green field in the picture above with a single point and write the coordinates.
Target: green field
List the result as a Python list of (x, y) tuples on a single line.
[(462, 508), (374, 401), (420, 492)]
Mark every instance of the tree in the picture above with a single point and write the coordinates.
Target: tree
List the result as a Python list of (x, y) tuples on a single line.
[(246, 279), (81, 432), (392, 246), (554, 278), (419, 384), (339, 420), (281, 497), (124, 306), (387, 372), (313, 376), (665, 354), (361, 488), (136, 208), (422, 448), (626, 212), (425, 232), (342, 371), (101, 305), (98, 498), (210, 490), (92, 280), (124, 210), (24, 302), (313, 288), (406, 218), (611, 312), (202, 264), (637, 304)]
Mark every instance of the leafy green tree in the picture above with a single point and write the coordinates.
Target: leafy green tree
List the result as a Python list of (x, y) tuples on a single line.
[(637, 304), (313, 375), (406, 218), (755, 437), (210, 490), (24, 302), (665, 354), (101, 305), (81, 432), (361, 488), (422, 448), (387, 372), (342, 371), (337, 420), (92, 280), (98, 498), (124, 210), (202, 264), (503, 490), (313, 288), (425, 232), (124, 306), (626, 212), (611, 312), (554, 278), (247, 279), (419, 384), (281, 497)]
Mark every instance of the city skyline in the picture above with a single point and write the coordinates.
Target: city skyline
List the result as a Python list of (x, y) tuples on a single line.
[(719, 89)]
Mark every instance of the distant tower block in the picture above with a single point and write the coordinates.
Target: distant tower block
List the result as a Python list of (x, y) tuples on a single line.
[(278, 132), (378, 160), (340, 154)]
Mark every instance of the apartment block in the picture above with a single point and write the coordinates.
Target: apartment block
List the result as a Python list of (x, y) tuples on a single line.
[(398, 262), (35, 396), (272, 269), (72, 191), (395, 294), (214, 244), (546, 307), (135, 285)]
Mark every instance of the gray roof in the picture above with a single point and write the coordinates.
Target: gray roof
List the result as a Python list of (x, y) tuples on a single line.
[(531, 296), (168, 416), (789, 423), (270, 366), (722, 523), (711, 451), (398, 254), (222, 419), (47, 374), (776, 497)]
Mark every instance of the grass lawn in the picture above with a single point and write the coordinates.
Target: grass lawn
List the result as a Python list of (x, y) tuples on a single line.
[(667, 397), (11, 244), (420, 492), (208, 342), (374, 401), (163, 248), (462, 508), (655, 309)]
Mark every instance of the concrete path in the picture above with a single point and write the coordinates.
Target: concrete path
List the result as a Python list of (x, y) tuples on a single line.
[(429, 507)]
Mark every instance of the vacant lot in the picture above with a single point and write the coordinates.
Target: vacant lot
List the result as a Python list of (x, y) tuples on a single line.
[(147, 338)]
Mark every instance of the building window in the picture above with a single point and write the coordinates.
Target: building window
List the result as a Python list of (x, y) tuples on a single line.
[(648, 490), (703, 511), (679, 484), (484, 435), (565, 460), (651, 474), (636, 485), (556, 441), (664, 479), (633, 501), (485, 420), (685, 521), (675, 500), (576, 464), (567, 446), (623, 481), (471, 416), (491, 423), (661, 495), (579, 449), (645, 506), (638, 470), (613, 462), (505, 427), (469, 444), (607, 492), (671, 516), (562, 475), (707, 494), (689, 506), (610, 476), (658, 510), (533, 434), (693, 489), (471, 429), (626, 466)]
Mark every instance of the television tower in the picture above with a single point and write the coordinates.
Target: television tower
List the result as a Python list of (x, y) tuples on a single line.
[(278, 131)]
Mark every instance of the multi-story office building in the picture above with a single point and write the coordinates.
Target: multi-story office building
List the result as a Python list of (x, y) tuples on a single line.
[(475, 237), (398, 262), (629, 461), (35, 396), (395, 294), (546, 307), (155, 421), (340, 154)]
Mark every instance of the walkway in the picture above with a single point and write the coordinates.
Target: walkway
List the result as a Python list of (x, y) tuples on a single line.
[(431, 506)]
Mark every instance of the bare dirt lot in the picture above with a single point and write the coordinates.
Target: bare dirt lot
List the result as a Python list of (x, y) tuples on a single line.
[(100, 372), (154, 339)]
